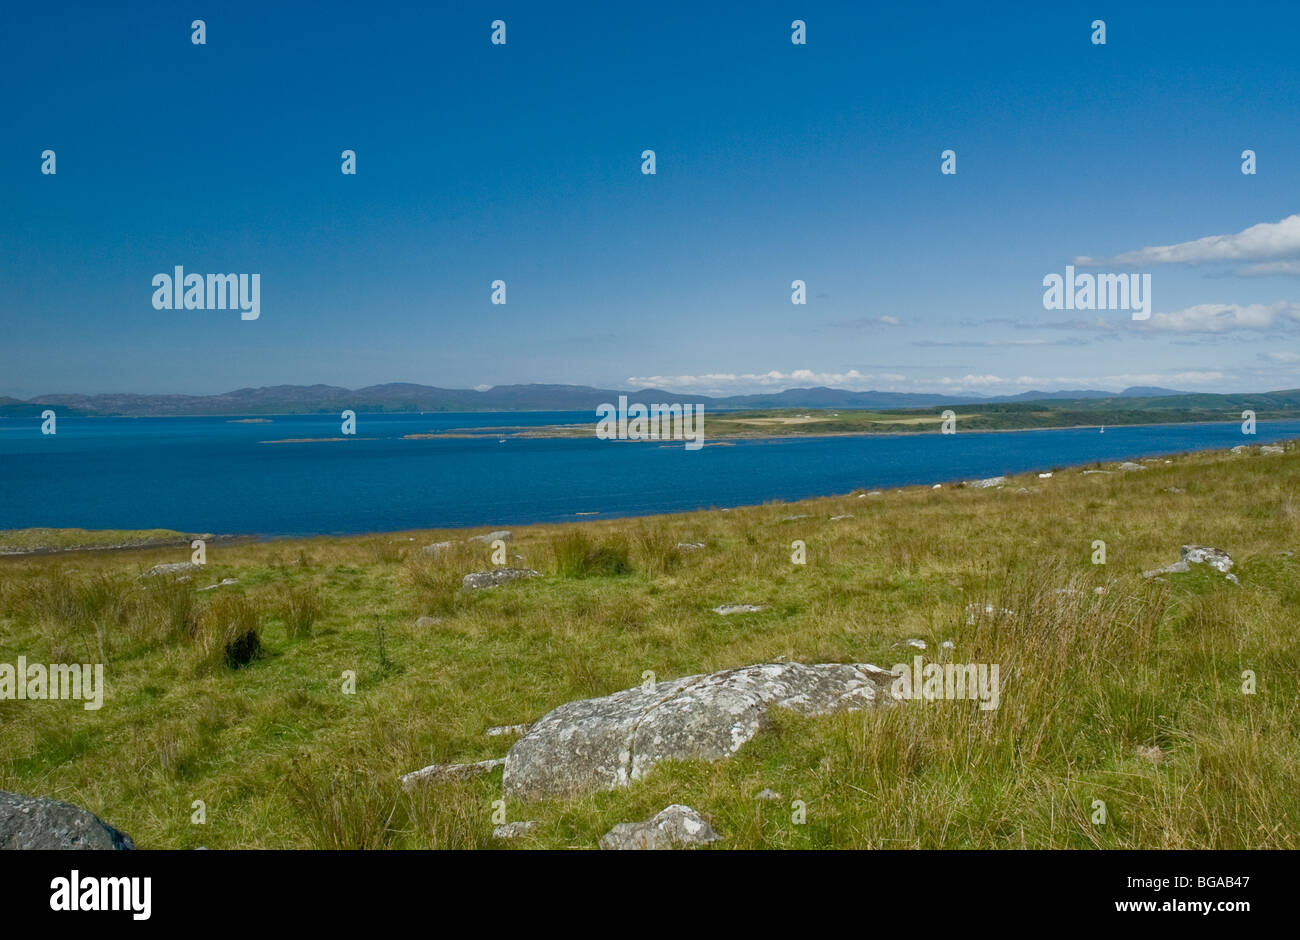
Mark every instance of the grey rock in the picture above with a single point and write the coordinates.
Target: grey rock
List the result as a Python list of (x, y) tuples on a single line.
[(673, 827), (1196, 555), (425, 622), (1271, 449), (497, 576), (436, 772), (30, 822), (987, 482), (913, 643), (1086, 472), (502, 534), (796, 518), (171, 570), (1130, 465), (689, 546), (605, 743), (507, 730), (847, 515), (728, 609), (514, 830), (224, 582), (767, 795), (1152, 753), (1240, 449), (975, 611), (436, 548)]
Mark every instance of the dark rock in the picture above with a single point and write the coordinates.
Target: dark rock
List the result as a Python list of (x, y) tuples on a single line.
[(29, 822), (243, 649)]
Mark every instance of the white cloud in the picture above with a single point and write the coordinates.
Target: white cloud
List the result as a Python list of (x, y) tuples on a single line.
[(1281, 356), (1262, 242), (1225, 318)]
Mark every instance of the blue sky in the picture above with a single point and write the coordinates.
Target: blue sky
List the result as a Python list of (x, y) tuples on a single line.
[(775, 162)]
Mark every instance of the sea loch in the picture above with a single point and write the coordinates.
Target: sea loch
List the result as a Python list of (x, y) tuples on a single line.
[(219, 475)]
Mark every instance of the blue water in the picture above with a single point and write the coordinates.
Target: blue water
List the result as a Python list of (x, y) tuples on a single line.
[(209, 475)]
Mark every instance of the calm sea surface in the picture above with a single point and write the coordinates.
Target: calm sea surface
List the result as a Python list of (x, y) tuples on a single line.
[(211, 475)]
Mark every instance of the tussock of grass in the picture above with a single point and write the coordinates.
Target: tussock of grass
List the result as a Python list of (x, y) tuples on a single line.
[(578, 556), (301, 609), (1093, 684)]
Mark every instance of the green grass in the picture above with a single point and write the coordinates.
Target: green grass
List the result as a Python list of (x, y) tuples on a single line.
[(282, 758)]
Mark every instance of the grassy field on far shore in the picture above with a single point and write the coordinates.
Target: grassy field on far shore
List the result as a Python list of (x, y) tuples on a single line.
[(20, 541), (1116, 689)]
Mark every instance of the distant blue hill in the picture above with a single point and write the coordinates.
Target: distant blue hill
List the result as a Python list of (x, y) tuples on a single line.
[(408, 397)]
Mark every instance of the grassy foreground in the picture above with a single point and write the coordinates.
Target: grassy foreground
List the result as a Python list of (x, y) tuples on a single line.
[(1133, 696)]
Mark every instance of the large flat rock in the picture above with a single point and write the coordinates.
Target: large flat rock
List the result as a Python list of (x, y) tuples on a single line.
[(604, 743)]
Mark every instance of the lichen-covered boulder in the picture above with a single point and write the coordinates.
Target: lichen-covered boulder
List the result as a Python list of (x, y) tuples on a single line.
[(487, 579), (603, 743), (673, 827), (1217, 559)]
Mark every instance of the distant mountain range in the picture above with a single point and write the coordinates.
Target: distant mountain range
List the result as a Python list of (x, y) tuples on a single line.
[(405, 397)]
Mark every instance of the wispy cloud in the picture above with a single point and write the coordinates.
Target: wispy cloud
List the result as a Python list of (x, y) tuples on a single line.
[(727, 383), (1069, 341), (994, 384), (1226, 318), (865, 323), (731, 381), (1270, 269), (1263, 242)]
